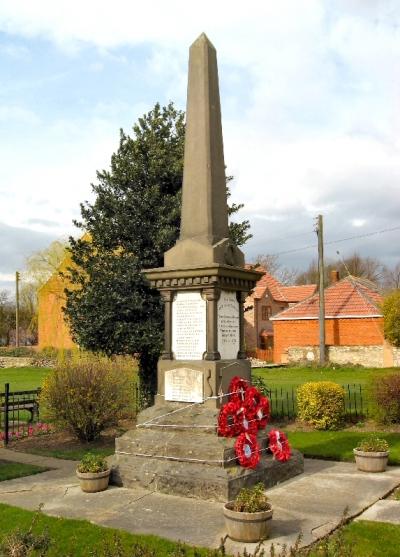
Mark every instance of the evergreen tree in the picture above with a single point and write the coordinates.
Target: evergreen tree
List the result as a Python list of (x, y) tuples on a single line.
[(134, 219)]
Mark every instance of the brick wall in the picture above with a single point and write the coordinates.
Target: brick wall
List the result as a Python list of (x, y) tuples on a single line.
[(52, 328), (339, 332)]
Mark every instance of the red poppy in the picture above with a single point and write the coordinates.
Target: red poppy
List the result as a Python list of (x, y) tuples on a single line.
[(237, 389), (262, 414), (279, 445)]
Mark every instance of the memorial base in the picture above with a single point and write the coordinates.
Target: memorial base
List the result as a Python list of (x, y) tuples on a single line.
[(216, 377), (181, 454)]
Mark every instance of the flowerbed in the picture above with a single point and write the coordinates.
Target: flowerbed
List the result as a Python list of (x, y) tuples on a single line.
[(32, 430)]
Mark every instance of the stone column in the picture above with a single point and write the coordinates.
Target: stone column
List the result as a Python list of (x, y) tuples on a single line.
[(168, 297), (212, 297), (241, 297)]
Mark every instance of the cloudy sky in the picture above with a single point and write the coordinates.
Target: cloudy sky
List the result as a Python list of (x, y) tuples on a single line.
[(310, 93)]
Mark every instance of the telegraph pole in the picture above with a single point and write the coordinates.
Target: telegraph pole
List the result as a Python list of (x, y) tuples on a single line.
[(320, 234), (17, 309)]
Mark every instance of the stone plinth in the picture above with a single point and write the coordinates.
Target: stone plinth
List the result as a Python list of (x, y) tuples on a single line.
[(181, 458)]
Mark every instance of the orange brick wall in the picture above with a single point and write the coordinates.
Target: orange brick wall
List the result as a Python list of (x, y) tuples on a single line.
[(53, 331), (338, 332)]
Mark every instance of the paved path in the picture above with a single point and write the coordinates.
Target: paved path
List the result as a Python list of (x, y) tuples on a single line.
[(312, 503)]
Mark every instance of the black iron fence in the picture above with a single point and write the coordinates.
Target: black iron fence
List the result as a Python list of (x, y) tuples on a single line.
[(19, 412), (284, 405)]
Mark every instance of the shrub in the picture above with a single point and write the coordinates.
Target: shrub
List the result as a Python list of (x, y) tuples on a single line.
[(385, 395), (251, 499), (391, 317), (92, 463), (373, 444), (88, 395), (321, 404)]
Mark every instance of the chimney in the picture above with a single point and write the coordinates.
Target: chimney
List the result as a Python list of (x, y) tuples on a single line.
[(334, 276)]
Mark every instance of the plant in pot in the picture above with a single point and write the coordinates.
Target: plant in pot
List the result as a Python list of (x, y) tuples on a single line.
[(93, 473), (248, 517), (372, 454)]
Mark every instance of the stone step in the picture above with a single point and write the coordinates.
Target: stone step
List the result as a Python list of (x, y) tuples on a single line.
[(191, 479), (182, 445)]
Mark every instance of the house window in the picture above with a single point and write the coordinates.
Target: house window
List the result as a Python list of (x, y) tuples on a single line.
[(266, 343), (265, 312)]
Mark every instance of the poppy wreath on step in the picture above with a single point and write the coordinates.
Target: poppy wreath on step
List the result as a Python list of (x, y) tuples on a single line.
[(279, 445), (252, 401), (228, 425), (237, 389), (245, 423), (247, 450), (262, 413)]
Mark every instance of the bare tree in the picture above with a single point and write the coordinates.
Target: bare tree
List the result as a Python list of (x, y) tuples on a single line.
[(356, 265), (391, 278), (274, 267)]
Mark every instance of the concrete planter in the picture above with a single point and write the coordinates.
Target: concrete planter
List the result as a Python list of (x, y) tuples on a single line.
[(247, 527), (91, 482), (371, 461)]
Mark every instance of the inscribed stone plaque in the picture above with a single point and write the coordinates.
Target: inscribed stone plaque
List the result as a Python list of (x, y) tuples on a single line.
[(228, 325), (184, 385), (189, 323)]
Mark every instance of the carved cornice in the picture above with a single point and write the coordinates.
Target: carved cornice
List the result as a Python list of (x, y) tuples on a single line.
[(220, 276)]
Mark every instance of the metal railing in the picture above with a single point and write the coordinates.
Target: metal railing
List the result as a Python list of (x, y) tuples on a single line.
[(18, 411), (284, 404)]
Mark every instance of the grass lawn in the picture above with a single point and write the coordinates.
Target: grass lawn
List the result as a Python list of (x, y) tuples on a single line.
[(338, 445), (373, 539), (23, 378), (10, 470), (73, 454), (288, 377), (79, 537)]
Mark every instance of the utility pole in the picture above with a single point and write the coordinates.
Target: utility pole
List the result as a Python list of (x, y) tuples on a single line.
[(17, 309), (320, 234)]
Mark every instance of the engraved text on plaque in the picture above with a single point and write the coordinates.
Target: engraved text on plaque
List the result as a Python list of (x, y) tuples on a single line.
[(189, 326), (184, 385), (228, 325)]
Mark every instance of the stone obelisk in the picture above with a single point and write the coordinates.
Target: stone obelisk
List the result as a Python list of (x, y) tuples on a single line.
[(175, 447)]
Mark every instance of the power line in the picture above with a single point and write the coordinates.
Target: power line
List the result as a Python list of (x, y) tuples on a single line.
[(358, 236)]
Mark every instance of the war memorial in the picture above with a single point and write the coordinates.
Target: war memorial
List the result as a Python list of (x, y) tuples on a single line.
[(175, 447)]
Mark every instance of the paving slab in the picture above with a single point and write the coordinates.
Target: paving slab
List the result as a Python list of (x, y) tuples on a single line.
[(386, 510), (312, 504)]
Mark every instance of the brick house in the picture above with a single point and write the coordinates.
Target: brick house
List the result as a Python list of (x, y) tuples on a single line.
[(353, 326), (53, 331), (268, 298)]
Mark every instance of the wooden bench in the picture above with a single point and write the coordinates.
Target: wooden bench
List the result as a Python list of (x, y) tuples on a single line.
[(15, 404)]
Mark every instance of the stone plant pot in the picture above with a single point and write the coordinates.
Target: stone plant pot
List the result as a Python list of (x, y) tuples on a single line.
[(371, 461), (91, 482), (247, 527)]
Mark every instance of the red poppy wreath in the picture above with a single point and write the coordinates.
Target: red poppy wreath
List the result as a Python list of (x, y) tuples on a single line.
[(237, 389), (228, 420), (279, 445), (247, 450)]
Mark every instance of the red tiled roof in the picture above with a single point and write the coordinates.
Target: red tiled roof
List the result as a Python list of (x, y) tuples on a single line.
[(278, 291), (350, 297), (298, 293)]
